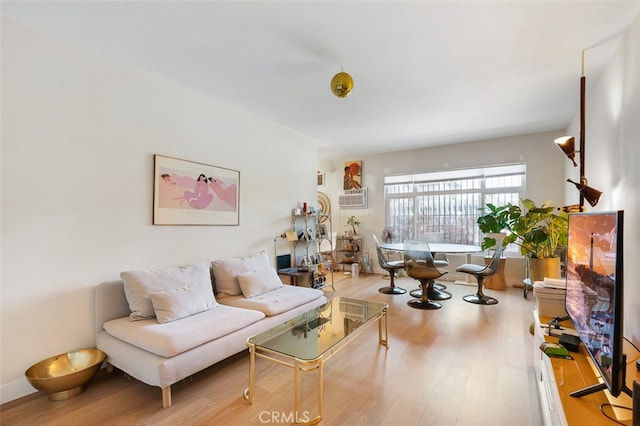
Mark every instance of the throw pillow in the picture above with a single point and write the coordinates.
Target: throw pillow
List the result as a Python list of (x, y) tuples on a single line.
[(255, 283), (226, 271), (138, 285), (180, 302)]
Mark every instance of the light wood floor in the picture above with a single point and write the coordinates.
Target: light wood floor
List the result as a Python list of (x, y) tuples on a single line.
[(460, 365)]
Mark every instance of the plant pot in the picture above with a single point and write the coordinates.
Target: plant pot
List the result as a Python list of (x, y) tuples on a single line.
[(541, 268)]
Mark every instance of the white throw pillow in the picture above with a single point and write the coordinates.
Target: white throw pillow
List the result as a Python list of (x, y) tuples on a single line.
[(226, 271), (138, 285), (171, 305), (255, 283)]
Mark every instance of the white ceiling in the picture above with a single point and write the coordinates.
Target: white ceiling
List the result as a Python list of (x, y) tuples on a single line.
[(426, 73)]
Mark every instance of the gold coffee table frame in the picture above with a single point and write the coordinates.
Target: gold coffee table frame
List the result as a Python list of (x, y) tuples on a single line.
[(327, 329)]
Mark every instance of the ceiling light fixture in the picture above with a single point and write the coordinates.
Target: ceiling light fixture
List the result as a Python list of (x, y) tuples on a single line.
[(341, 84), (567, 145)]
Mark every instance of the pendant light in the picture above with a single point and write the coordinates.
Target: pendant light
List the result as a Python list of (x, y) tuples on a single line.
[(341, 84)]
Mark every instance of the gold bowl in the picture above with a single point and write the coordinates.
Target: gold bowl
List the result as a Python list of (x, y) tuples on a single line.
[(64, 376)]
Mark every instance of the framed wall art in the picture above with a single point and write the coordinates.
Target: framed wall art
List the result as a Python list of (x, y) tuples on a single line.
[(191, 193), (352, 175)]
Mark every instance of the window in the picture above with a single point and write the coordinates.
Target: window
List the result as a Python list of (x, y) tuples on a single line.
[(447, 204)]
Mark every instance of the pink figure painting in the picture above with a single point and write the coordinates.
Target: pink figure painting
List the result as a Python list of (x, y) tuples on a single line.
[(226, 194), (199, 198)]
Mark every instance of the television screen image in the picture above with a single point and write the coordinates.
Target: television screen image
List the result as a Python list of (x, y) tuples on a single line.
[(594, 293)]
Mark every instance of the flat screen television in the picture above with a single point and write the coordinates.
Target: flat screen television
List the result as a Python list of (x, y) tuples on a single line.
[(594, 294)]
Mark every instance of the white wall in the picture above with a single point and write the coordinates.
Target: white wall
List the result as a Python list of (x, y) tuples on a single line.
[(612, 126), (545, 177), (78, 137)]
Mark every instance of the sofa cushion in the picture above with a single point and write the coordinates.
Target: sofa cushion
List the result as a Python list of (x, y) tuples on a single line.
[(180, 302), (226, 271), (277, 301), (173, 338), (254, 283), (138, 285)]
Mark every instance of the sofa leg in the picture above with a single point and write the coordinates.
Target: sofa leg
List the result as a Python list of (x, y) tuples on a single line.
[(109, 367), (166, 397)]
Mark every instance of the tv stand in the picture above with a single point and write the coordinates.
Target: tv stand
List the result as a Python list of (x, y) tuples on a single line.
[(559, 378), (601, 386)]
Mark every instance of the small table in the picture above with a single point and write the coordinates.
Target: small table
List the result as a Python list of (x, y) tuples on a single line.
[(297, 277), (307, 341)]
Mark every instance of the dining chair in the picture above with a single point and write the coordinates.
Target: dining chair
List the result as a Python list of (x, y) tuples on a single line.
[(392, 266), (481, 272), (440, 260), (419, 264)]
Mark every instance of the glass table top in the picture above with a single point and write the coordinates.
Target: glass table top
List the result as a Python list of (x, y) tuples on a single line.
[(311, 334)]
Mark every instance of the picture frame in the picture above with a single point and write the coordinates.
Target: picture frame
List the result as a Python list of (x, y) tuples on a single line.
[(366, 263), (192, 193), (322, 231), (352, 175)]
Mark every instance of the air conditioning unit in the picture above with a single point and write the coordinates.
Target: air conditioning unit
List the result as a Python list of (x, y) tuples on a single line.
[(353, 198)]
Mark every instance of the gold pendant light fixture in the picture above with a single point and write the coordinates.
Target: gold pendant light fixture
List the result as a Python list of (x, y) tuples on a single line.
[(341, 84)]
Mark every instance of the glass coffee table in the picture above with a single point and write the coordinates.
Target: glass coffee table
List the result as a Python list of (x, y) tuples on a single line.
[(307, 341)]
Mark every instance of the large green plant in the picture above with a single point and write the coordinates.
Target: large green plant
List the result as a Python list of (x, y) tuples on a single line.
[(537, 230), (494, 221)]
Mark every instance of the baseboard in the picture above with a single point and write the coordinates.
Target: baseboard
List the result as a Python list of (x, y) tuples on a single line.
[(15, 390)]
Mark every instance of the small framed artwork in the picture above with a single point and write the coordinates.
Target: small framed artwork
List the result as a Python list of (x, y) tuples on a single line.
[(190, 193), (322, 230), (320, 178), (366, 263), (352, 175)]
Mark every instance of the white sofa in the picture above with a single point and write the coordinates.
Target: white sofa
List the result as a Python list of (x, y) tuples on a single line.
[(165, 325)]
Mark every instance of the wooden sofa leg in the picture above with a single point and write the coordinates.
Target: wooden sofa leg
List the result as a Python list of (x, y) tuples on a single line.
[(166, 397), (109, 367)]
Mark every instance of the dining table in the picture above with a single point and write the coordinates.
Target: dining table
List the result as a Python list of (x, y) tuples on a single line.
[(453, 248)]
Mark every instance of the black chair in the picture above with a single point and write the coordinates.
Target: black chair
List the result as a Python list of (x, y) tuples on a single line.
[(419, 264), (389, 265), (481, 272)]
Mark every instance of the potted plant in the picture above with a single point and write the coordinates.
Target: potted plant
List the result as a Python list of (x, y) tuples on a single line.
[(351, 220), (493, 224), (539, 231)]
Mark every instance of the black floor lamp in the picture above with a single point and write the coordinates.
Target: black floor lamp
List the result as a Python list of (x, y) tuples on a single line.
[(567, 145)]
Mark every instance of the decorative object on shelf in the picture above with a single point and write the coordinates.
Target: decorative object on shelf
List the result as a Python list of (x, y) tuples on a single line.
[(325, 207), (341, 84), (190, 193), (366, 264), (567, 145), (320, 178), (352, 175), (322, 231), (353, 222)]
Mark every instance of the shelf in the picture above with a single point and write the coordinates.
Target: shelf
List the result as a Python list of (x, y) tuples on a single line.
[(557, 378), (313, 231), (349, 251)]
